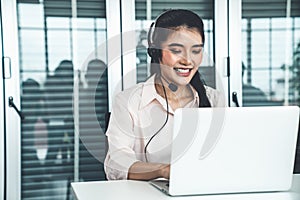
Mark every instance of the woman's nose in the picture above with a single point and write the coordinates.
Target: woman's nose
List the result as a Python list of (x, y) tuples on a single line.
[(186, 59)]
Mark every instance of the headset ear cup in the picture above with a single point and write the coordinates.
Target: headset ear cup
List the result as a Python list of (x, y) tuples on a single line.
[(150, 51), (154, 53)]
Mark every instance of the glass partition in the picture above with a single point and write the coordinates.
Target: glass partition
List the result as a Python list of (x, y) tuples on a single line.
[(62, 50), (269, 44), (270, 55)]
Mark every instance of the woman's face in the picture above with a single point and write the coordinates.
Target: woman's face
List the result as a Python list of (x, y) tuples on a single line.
[(181, 56)]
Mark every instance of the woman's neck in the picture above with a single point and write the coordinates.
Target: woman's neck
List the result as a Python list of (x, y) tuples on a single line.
[(176, 99)]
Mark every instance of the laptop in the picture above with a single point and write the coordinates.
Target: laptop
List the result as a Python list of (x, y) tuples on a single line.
[(232, 150)]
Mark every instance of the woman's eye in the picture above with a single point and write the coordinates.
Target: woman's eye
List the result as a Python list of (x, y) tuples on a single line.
[(197, 51), (175, 51)]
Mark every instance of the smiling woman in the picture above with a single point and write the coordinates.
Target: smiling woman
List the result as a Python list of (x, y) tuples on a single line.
[(141, 123), (181, 56)]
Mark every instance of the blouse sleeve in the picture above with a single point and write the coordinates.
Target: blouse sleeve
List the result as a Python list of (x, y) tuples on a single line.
[(120, 155)]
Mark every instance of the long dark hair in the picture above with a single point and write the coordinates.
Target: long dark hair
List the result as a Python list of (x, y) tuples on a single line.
[(158, 33)]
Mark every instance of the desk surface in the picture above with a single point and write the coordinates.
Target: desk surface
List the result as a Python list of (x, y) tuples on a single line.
[(136, 190)]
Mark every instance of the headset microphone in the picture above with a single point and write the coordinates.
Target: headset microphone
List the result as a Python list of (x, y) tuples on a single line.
[(171, 86)]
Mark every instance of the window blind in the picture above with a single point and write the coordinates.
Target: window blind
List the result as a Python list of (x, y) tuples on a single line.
[(29, 1), (266, 12), (47, 133), (47, 151), (93, 107), (205, 8), (268, 8), (63, 8)]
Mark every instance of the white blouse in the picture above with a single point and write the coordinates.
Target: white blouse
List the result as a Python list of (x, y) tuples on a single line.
[(137, 114)]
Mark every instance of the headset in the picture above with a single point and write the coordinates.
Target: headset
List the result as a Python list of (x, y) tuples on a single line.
[(153, 51)]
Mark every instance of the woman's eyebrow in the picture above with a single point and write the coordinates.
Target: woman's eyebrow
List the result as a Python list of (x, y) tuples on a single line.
[(175, 45), (181, 45), (198, 45)]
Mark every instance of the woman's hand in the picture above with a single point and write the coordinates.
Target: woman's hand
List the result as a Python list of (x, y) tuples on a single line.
[(148, 171), (165, 171)]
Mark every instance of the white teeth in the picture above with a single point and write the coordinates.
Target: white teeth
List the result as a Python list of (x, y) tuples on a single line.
[(181, 70)]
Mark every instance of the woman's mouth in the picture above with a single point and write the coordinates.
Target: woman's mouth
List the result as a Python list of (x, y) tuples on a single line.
[(183, 71)]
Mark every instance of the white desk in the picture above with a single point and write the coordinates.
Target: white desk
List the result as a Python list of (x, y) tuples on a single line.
[(140, 190)]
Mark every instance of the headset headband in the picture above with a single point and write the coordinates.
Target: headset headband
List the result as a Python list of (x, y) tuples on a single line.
[(152, 28), (150, 41)]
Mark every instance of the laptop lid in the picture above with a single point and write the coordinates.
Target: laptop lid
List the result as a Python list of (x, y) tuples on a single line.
[(233, 150)]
